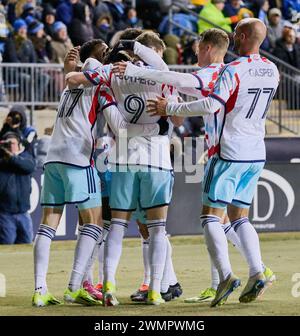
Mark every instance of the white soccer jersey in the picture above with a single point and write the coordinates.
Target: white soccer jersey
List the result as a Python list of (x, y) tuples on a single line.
[(132, 93), (72, 140), (245, 88), (197, 84)]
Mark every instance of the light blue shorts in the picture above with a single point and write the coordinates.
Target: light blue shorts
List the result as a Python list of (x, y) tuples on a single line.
[(66, 184), (147, 188), (230, 183)]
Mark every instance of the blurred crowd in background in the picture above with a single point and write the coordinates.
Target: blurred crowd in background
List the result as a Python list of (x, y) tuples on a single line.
[(42, 31)]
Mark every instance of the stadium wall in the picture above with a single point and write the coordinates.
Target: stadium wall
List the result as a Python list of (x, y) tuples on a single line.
[(275, 207)]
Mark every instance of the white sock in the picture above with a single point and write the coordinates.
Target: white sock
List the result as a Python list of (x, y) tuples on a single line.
[(88, 276), (157, 251), (146, 262), (165, 282), (41, 252), (172, 275), (101, 247), (215, 279), (90, 234), (232, 236), (216, 244), (249, 243), (113, 248)]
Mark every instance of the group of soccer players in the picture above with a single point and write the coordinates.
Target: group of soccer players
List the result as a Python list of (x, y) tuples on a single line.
[(234, 100)]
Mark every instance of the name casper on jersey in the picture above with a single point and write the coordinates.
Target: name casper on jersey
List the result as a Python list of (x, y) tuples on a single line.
[(138, 80), (261, 72)]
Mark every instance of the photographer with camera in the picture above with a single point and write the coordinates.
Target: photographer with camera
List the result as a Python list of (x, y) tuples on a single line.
[(16, 122), (16, 167)]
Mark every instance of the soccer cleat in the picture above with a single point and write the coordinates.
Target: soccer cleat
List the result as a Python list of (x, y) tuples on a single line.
[(99, 286), (270, 278), (154, 298), (109, 297), (141, 294), (176, 290), (94, 293), (253, 288), (167, 296), (269, 275), (39, 300), (80, 296), (224, 289), (206, 295)]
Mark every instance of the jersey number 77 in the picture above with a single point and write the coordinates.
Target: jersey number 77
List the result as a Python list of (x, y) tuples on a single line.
[(258, 94)]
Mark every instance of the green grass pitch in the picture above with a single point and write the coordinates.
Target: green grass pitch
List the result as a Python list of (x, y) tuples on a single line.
[(280, 251)]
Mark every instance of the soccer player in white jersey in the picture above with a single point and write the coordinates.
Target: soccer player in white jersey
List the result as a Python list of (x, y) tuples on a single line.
[(68, 161), (152, 188), (242, 93)]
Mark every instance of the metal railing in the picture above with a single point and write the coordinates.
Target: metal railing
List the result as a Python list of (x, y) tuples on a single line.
[(284, 113), (39, 85), (34, 85)]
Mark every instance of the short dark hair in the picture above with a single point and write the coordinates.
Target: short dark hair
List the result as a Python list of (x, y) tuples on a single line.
[(151, 40), (215, 36), (87, 49), (122, 55), (131, 34)]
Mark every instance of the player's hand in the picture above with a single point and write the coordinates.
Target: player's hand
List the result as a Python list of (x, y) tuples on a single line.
[(119, 68), (157, 106), (71, 59)]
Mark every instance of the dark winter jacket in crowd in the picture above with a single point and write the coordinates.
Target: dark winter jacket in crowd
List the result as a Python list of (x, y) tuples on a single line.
[(15, 182), (290, 57), (80, 29)]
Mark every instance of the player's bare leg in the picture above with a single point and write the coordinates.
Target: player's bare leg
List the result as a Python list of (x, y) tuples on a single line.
[(251, 249)]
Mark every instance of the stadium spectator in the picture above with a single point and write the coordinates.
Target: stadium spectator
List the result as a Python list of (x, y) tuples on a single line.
[(49, 19), (287, 49), (117, 10), (132, 20), (173, 51), (16, 167), (64, 11), (80, 28), (275, 26), (213, 12), (103, 28), (40, 41), (236, 8), (19, 49), (60, 43), (189, 52), (16, 122)]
